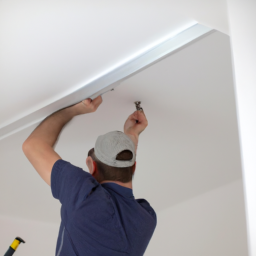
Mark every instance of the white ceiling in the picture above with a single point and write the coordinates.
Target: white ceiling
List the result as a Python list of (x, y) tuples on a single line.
[(190, 146), (109, 79), (51, 48), (48, 49)]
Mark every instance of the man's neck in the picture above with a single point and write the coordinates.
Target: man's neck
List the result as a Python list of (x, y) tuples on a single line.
[(127, 185)]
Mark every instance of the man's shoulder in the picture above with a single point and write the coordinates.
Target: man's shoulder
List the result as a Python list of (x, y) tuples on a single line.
[(146, 205)]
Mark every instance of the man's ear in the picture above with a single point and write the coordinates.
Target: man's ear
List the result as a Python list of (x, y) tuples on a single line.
[(91, 165), (134, 167)]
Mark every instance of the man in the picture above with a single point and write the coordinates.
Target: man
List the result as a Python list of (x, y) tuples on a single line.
[(99, 214)]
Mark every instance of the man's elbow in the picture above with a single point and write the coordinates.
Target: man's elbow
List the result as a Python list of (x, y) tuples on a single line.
[(27, 146)]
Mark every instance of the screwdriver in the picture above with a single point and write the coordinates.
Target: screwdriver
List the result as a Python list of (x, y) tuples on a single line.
[(12, 249)]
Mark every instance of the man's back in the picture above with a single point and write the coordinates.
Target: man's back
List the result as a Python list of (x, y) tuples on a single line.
[(99, 215), (99, 219)]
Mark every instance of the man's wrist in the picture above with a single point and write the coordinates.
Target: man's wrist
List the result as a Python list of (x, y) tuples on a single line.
[(134, 138), (73, 110)]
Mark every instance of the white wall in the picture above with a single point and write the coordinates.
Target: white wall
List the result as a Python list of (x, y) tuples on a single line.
[(211, 13), (242, 18), (40, 237), (212, 224)]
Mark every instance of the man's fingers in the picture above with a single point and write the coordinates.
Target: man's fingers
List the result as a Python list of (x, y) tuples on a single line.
[(96, 102), (138, 114), (141, 113), (133, 116), (141, 116), (87, 101), (138, 117), (92, 105), (136, 123)]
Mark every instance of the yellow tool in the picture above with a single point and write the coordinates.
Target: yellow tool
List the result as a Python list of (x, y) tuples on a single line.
[(14, 246)]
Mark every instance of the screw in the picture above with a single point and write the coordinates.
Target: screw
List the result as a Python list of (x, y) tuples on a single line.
[(137, 105)]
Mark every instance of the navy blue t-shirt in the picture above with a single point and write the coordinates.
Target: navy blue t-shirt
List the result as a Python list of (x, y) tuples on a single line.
[(99, 219)]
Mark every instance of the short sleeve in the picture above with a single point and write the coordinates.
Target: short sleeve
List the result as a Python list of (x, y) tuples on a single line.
[(71, 184), (145, 204)]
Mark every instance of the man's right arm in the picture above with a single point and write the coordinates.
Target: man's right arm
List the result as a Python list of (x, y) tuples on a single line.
[(135, 124)]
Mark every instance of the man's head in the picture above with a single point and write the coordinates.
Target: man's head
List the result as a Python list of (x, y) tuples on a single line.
[(113, 158)]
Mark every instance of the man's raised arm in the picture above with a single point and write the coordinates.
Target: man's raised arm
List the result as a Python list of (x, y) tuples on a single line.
[(38, 147), (135, 124)]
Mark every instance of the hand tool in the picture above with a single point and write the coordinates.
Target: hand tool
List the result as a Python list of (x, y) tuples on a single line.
[(13, 247)]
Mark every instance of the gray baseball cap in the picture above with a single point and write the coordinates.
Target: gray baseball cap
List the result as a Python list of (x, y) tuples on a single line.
[(109, 145)]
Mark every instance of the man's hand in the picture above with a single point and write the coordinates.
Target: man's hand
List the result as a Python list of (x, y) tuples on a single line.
[(133, 128), (87, 106)]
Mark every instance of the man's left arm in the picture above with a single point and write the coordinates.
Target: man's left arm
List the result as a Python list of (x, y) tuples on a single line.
[(38, 147)]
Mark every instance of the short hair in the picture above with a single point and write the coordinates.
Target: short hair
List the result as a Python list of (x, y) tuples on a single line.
[(106, 172)]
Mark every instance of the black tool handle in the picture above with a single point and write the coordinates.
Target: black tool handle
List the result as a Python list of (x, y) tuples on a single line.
[(9, 252)]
